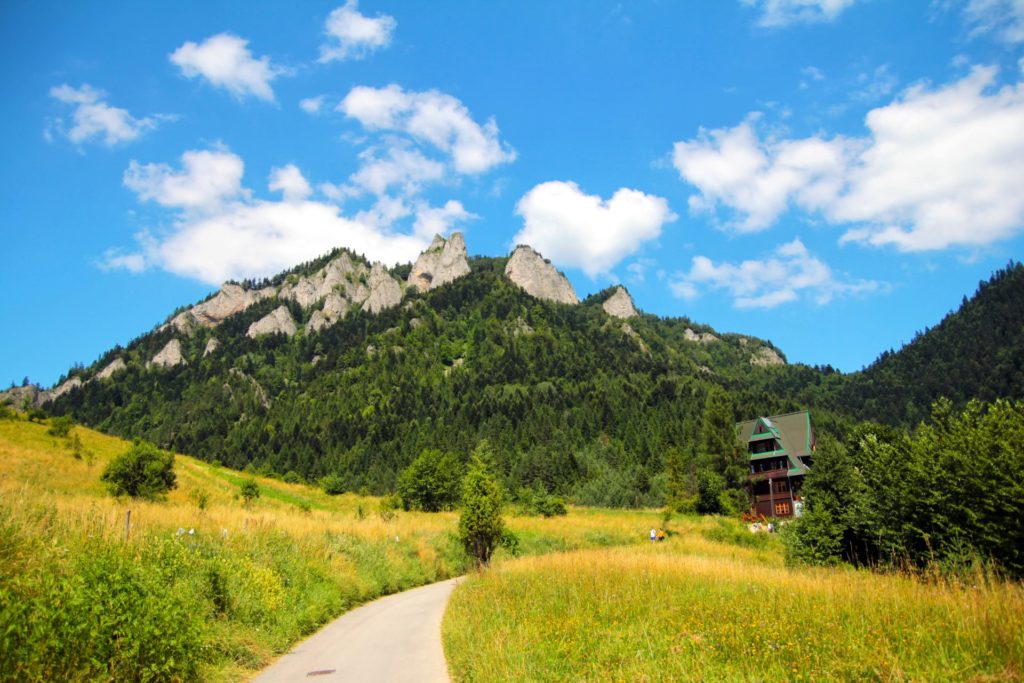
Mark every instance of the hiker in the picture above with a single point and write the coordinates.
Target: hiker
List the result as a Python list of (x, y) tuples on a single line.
[(654, 535), (661, 534)]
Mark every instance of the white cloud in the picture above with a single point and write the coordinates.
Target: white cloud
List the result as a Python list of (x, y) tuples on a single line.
[(790, 273), (759, 179), (809, 75), (778, 13), (352, 35), (940, 167), (220, 232), (432, 117), (873, 86), (208, 179), (406, 168), (290, 182), (1002, 18), (312, 105), (225, 61), (585, 231), (94, 118)]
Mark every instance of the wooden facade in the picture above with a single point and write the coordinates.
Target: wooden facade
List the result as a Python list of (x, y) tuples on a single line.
[(780, 449)]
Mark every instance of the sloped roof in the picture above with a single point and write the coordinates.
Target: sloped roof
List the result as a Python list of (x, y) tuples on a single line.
[(794, 432)]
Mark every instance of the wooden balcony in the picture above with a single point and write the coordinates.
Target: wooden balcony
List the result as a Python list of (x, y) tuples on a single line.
[(780, 473)]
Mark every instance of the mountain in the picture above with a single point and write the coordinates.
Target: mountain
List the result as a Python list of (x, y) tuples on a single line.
[(344, 367), (347, 368)]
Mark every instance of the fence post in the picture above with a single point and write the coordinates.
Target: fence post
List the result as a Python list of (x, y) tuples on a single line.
[(127, 523)]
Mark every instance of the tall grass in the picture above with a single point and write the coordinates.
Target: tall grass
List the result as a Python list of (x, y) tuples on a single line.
[(696, 609)]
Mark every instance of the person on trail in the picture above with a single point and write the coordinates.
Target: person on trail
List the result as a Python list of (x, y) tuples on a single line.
[(661, 535), (654, 535)]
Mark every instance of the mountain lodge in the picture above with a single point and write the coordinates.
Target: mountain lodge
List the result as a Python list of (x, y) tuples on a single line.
[(780, 448)]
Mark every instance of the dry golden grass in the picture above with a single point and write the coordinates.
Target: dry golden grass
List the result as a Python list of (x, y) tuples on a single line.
[(693, 610)]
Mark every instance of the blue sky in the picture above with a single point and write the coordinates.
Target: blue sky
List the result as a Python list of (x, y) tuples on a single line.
[(832, 175)]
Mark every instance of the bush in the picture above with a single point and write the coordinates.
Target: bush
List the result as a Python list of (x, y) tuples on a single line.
[(710, 490), (60, 426), (143, 471), (292, 477), (249, 490), (333, 485), (431, 482)]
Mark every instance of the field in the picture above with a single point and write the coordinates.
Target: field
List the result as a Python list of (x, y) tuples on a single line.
[(711, 604), (204, 587)]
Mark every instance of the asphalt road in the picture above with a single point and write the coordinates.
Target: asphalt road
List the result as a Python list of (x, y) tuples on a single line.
[(396, 639)]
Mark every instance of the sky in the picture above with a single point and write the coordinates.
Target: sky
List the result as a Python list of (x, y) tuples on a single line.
[(831, 175)]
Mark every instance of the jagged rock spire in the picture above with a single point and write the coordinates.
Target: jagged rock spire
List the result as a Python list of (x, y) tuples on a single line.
[(528, 269)]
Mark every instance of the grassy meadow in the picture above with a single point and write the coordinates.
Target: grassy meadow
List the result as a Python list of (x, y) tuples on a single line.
[(711, 604), (204, 587)]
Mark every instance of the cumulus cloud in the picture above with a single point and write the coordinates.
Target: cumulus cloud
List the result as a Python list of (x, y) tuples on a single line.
[(940, 167), (585, 231), (407, 169), (225, 61), (351, 35), (290, 182), (208, 179), (219, 231), (790, 273), (93, 118), (432, 117), (778, 13)]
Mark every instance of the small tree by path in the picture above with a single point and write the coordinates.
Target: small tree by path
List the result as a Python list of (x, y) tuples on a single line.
[(480, 524), (144, 471)]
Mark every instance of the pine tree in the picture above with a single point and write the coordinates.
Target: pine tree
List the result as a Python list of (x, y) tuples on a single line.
[(480, 524)]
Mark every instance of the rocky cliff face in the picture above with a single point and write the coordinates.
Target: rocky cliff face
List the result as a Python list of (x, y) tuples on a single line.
[(699, 337), (19, 397), (444, 261), (231, 299), (168, 357), (341, 276), (619, 304), (765, 356), (528, 270), (384, 290), (278, 321), (117, 365)]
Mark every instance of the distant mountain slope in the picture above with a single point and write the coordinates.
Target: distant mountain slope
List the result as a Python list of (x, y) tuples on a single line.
[(565, 392), (975, 352)]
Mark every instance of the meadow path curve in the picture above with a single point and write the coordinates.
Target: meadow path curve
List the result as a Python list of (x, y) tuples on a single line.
[(395, 639)]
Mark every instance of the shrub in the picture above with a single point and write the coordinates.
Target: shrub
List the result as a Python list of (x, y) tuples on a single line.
[(333, 485), (35, 414), (431, 482), (249, 490), (143, 471), (292, 477), (60, 426)]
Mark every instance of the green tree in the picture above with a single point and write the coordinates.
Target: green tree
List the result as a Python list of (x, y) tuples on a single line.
[(249, 490), (60, 426), (431, 483), (143, 471), (710, 489), (481, 526)]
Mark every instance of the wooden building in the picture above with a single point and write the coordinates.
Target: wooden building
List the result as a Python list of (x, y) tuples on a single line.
[(780, 448)]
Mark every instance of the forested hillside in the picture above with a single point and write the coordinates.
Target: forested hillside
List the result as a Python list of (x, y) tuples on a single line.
[(573, 400)]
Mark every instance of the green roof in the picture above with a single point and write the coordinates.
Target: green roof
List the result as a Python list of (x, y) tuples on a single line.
[(794, 432)]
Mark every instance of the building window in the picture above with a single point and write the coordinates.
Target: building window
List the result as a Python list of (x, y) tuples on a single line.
[(782, 509), (780, 486)]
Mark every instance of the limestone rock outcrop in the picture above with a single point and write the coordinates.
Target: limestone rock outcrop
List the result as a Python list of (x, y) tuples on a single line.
[(169, 356), (342, 275), (700, 337), (117, 365), (18, 397), (231, 299), (444, 261), (335, 308), (211, 346), (278, 321), (384, 290), (529, 271), (766, 356), (620, 304)]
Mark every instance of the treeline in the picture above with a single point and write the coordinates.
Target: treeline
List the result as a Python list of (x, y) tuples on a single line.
[(949, 496)]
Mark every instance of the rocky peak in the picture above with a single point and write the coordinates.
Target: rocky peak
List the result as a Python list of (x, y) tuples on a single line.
[(529, 271), (619, 304), (383, 290), (341, 274), (19, 397), (442, 262), (231, 299), (702, 337), (766, 356), (117, 365), (168, 357), (278, 321)]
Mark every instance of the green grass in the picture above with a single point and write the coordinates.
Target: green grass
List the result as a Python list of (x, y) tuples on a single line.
[(696, 609)]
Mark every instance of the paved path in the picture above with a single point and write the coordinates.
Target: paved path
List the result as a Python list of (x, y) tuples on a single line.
[(396, 639)]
